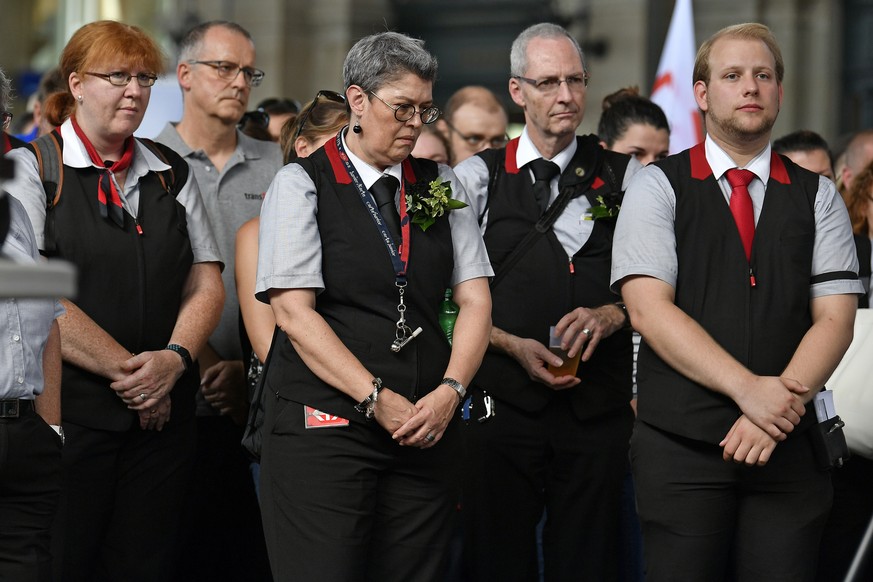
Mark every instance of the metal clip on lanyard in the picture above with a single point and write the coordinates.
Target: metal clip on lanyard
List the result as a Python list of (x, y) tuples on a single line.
[(403, 334)]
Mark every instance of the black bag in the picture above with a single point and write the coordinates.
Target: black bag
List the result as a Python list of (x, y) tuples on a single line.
[(252, 438), (829, 443)]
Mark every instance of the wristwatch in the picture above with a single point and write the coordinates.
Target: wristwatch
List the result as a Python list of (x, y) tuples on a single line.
[(456, 386), (623, 307), (186, 355)]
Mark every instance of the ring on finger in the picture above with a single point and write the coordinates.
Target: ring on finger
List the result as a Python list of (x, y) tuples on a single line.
[(587, 331), (429, 438), (143, 396)]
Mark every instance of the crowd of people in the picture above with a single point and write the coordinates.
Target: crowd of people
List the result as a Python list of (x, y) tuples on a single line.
[(294, 259)]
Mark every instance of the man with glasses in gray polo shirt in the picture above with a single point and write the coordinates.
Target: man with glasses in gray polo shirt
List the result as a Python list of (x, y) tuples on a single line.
[(216, 73)]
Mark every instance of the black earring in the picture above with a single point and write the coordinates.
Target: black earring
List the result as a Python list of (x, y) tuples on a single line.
[(357, 128)]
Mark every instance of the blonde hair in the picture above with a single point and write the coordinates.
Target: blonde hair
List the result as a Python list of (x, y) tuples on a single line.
[(746, 31)]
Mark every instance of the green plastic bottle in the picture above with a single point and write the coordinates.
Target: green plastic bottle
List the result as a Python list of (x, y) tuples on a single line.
[(448, 314)]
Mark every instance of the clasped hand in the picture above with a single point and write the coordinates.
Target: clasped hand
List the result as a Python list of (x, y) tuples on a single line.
[(149, 377), (774, 404), (410, 424)]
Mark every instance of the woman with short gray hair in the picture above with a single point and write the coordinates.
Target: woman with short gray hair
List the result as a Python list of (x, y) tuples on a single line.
[(358, 243)]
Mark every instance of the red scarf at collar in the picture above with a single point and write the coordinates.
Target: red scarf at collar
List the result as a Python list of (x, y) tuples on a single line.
[(106, 185)]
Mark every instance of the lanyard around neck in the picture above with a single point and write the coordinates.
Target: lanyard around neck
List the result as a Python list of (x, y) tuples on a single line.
[(399, 257)]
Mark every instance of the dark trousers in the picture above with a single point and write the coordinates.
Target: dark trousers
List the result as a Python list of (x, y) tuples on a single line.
[(123, 496), (850, 515), (707, 519), (347, 504), (30, 485), (221, 534), (519, 463)]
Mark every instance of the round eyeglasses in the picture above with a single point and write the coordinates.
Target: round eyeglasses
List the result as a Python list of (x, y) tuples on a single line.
[(476, 140), (121, 79), (228, 71), (405, 112)]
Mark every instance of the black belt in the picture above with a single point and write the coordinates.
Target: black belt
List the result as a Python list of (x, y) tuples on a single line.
[(14, 407)]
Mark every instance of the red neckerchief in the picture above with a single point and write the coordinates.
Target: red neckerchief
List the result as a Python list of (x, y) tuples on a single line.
[(106, 185)]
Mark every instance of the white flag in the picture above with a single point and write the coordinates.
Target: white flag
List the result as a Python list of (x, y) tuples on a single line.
[(673, 89)]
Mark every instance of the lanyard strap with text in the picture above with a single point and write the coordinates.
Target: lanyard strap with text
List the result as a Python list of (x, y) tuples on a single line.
[(399, 258)]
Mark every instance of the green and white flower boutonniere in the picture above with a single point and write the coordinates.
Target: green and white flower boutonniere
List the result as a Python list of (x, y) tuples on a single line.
[(425, 202), (608, 207)]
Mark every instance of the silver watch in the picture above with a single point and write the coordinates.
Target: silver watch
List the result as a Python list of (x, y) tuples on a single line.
[(456, 386)]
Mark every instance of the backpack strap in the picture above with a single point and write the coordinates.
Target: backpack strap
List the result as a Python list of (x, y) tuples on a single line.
[(167, 177), (50, 159)]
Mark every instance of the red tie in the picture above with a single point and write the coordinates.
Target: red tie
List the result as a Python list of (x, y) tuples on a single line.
[(741, 206)]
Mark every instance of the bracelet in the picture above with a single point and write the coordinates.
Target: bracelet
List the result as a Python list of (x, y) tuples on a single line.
[(367, 406), (456, 386), (186, 355), (623, 307)]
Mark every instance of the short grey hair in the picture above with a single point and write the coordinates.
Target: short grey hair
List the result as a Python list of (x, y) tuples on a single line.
[(5, 92), (380, 58), (192, 42), (518, 54)]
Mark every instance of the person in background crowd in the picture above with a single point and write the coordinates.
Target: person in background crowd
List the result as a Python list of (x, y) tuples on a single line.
[(131, 220), (31, 435), (216, 71), (362, 440), (556, 439), (7, 142), (740, 330), (474, 120), (432, 145), (321, 119), (634, 125), (50, 82), (859, 154), (808, 150)]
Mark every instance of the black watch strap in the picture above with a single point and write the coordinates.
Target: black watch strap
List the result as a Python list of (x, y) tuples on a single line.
[(186, 355)]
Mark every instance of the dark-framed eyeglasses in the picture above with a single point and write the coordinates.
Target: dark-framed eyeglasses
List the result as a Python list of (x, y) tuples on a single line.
[(228, 71), (550, 85), (5, 117), (121, 79), (476, 140), (406, 111), (304, 115)]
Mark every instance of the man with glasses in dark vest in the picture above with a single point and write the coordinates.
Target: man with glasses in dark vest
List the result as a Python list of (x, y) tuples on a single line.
[(216, 73), (540, 439), (739, 270)]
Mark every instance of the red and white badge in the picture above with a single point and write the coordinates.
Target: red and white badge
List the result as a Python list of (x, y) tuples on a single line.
[(317, 419)]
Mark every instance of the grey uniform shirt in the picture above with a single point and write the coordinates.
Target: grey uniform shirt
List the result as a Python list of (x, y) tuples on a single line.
[(645, 240), (24, 323), (289, 255), (232, 197)]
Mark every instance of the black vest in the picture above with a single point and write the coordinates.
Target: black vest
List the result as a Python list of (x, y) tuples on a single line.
[(360, 298), (541, 288), (759, 326), (129, 284)]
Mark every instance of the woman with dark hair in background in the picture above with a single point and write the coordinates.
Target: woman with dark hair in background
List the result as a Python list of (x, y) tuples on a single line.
[(361, 438), (129, 216), (634, 125)]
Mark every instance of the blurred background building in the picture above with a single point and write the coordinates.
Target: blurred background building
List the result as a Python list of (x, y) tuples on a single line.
[(827, 44)]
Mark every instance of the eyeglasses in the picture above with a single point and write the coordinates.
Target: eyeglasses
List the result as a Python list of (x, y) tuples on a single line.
[(550, 85), (229, 71), (405, 112), (304, 115), (477, 141), (121, 79), (5, 117)]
